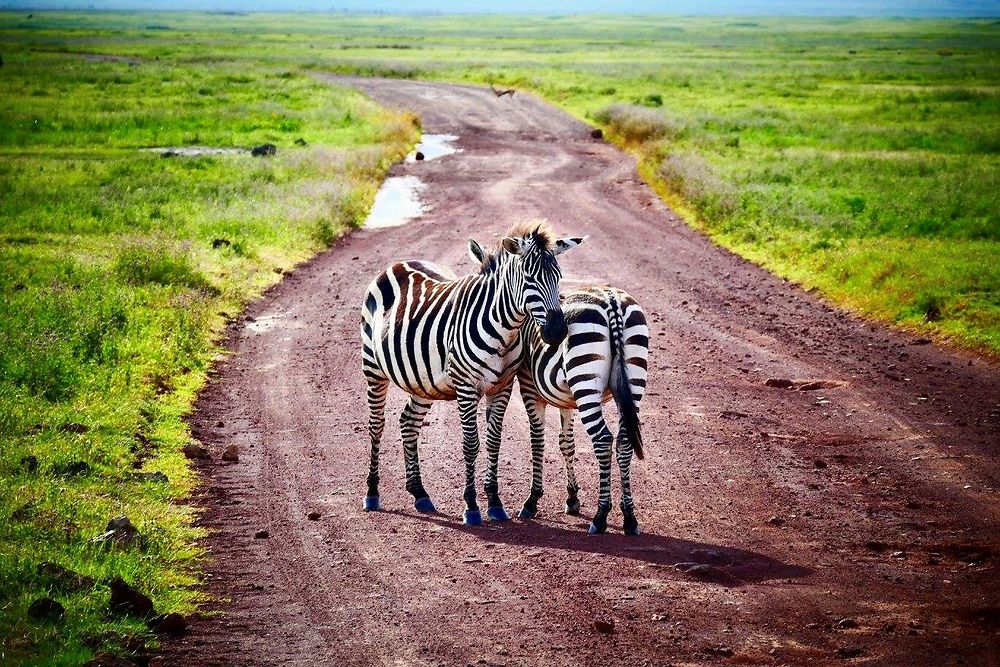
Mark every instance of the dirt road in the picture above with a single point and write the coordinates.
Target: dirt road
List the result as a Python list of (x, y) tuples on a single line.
[(855, 523)]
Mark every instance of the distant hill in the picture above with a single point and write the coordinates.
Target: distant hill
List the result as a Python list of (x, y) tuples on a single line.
[(909, 8)]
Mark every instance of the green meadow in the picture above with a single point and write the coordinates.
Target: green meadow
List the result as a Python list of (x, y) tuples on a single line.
[(856, 157), (118, 270)]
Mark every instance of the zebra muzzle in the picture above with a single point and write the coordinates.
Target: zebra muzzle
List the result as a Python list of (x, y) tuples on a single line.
[(554, 329)]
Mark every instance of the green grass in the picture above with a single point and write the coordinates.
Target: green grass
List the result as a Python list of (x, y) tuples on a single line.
[(112, 294), (856, 156)]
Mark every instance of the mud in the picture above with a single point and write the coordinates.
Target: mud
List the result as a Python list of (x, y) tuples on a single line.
[(851, 524)]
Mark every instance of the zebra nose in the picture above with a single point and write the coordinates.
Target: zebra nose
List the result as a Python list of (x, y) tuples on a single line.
[(554, 329)]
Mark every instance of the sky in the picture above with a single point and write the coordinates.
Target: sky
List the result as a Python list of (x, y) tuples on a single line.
[(693, 7)]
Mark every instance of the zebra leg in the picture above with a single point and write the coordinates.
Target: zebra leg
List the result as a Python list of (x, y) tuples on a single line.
[(410, 422), (592, 417), (568, 450), (624, 450), (468, 403), (495, 410), (535, 408), (377, 390)]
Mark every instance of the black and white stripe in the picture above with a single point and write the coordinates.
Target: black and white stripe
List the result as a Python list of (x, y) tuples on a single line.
[(440, 337), (604, 356)]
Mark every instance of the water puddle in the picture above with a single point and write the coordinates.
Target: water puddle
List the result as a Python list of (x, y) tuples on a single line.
[(435, 146), (396, 202)]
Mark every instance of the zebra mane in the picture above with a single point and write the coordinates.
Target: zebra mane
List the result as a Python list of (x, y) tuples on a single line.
[(539, 231)]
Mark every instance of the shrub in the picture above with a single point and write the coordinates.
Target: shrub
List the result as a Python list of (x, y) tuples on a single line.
[(691, 177), (638, 124), (159, 264)]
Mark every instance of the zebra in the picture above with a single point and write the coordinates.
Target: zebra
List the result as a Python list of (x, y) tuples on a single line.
[(604, 356), (440, 337)]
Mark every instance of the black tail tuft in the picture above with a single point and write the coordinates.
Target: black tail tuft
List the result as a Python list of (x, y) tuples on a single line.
[(621, 389)]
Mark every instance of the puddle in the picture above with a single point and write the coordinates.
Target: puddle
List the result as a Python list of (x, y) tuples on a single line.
[(435, 146), (396, 202), (194, 151)]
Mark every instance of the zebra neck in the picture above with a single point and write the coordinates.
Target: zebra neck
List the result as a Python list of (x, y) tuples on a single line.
[(506, 312)]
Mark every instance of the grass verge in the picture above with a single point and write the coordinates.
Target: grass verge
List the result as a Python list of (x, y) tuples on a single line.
[(118, 270)]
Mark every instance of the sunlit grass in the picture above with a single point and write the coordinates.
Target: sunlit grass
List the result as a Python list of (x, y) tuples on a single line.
[(118, 268)]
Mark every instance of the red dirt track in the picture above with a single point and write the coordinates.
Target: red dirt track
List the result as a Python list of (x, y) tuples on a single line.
[(874, 501)]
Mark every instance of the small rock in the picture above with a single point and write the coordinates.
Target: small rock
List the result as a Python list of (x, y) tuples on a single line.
[(62, 578), (193, 451), (780, 383), (301, 142), (846, 624), (848, 652), (819, 384), (120, 532), (418, 156), (596, 133), (693, 568), (314, 516), (29, 463), (898, 554), (264, 150), (74, 427), (46, 609), (127, 600), (723, 651), (231, 454), (776, 521), (657, 618), (172, 623), (261, 534), (221, 243), (604, 627), (819, 463)]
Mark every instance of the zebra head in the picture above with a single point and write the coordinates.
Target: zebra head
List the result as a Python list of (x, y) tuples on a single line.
[(533, 274)]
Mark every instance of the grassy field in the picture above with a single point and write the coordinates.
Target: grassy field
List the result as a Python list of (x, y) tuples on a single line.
[(118, 269), (859, 157)]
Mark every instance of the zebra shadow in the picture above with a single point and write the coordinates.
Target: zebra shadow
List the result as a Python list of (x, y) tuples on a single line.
[(710, 563)]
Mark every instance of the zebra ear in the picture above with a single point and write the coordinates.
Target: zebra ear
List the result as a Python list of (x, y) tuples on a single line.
[(562, 245), (476, 251), (512, 245)]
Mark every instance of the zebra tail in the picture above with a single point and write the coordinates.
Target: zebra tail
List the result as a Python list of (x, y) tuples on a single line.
[(621, 389)]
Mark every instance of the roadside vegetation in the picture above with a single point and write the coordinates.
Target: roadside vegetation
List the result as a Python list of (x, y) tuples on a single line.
[(118, 270)]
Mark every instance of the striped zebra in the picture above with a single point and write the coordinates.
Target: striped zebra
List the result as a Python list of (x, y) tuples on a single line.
[(603, 357), (440, 337)]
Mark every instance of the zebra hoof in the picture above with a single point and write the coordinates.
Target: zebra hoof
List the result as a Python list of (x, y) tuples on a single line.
[(424, 505), (573, 507), (527, 513), (472, 518), (632, 529), (596, 530), (497, 514), (371, 504)]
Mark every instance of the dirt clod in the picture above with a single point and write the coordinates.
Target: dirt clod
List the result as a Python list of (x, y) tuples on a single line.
[(128, 600), (604, 626), (194, 451), (171, 623), (779, 383), (261, 534), (46, 609), (231, 454)]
